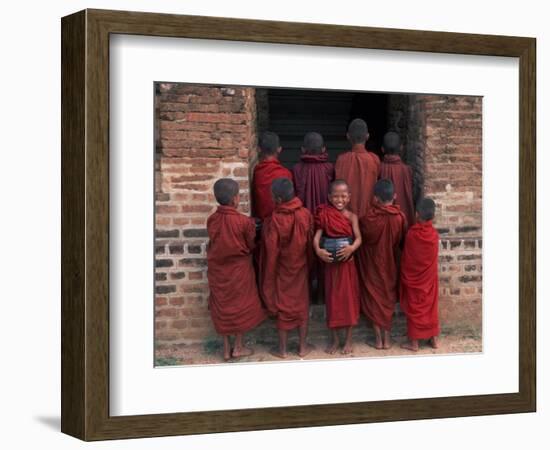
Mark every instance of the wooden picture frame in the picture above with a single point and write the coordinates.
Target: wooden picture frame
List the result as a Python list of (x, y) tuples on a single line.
[(85, 224)]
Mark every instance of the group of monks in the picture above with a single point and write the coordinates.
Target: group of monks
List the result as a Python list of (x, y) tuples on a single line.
[(390, 250)]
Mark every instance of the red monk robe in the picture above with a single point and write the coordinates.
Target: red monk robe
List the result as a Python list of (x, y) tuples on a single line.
[(284, 265), (400, 174), (359, 168), (382, 229), (264, 174), (312, 176), (341, 282), (420, 282), (234, 302)]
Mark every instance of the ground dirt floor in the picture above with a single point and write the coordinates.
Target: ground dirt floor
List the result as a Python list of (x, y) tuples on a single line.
[(264, 339)]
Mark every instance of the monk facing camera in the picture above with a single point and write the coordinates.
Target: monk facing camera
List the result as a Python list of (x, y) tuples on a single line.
[(419, 279), (229, 256), (335, 222), (284, 265)]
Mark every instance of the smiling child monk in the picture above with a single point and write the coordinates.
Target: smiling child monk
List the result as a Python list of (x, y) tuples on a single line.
[(419, 278), (341, 284), (383, 229), (229, 257), (284, 265)]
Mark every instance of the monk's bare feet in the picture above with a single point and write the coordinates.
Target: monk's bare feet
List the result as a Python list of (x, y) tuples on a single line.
[(242, 352), (410, 345), (277, 353), (305, 350), (434, 342), (227, 355), (387, 340), (347, 350), (332, 349), (377, 344)]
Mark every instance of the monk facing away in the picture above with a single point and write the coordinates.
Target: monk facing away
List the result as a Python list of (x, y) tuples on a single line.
[(358, 167), (284, 265), (333, 220), (313, 174), (267, 169), (419, 278), (383, 229), (399, 173), (229, 257)]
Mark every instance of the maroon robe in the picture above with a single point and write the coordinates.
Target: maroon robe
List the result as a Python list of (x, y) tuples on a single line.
[(341, 283), (359, 168), (382, 230), (400, 174), (284, 263), (420, 282), (312, 177), (234, 302), (264, 173)]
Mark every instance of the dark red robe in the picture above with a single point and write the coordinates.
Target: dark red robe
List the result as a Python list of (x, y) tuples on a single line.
[(382, 229), (400, 174), (359, 168), (234, 302), (420, 282), (284, 263), (341, 283), (312, 176), (264, 173)]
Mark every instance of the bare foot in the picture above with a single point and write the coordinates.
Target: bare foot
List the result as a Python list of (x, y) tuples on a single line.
[(242, 352), (413, 347), (277, 353), (377, 345), (387, 344), (306, 350), (347, 350), (227, 355), (332, 349), (434, 342)]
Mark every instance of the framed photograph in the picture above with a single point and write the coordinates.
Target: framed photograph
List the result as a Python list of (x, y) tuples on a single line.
[(273, 225)]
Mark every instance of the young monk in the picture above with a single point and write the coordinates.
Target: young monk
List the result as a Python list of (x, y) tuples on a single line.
[(313, 174), (284, 265), (399, 173), (229, 257), (419, 278), (265, 172), (341, 285), (358, 167), (383, 229)]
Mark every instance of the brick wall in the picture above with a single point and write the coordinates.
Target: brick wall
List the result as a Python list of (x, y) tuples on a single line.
[(204, 133), (449, 128)]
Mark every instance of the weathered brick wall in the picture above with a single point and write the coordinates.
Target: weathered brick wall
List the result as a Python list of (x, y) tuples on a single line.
[(449, 130), (204, 133)]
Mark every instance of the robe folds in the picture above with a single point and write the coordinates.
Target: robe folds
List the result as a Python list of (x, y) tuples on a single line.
[(400, 174), (420, 282), (341, 283), (234, 302), (382, 230), (265, 172), (285, 259), (359, 168), (312, 176)]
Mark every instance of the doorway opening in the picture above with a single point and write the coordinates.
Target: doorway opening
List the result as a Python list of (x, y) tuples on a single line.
[(291, 113)]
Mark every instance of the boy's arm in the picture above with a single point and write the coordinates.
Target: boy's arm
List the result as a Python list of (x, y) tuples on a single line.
[(345, 252), (250, 234), (323, 254)]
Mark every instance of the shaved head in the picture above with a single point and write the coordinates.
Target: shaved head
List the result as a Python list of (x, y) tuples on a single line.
[(225, 190), (282, 189), (392, 143), (313, 143), (383, 190), (337, 183), (426, 209), (358, 131)]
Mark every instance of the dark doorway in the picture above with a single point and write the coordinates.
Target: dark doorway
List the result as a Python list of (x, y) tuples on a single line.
[(293, 112)]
